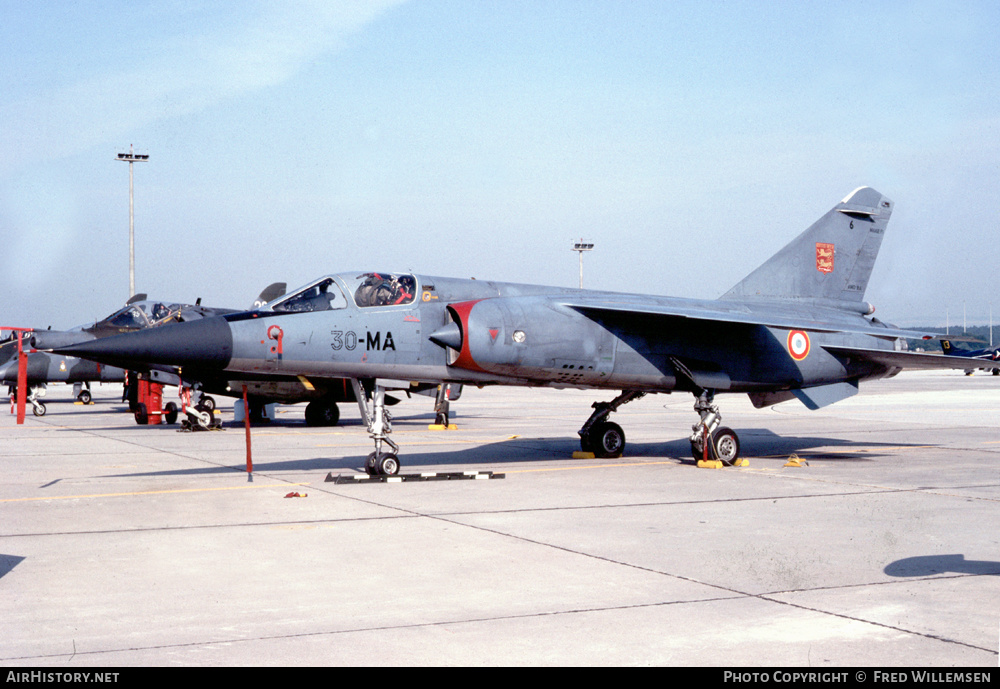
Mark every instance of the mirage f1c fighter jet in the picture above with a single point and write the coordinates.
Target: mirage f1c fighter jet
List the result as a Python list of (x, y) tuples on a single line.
[(796, 327)]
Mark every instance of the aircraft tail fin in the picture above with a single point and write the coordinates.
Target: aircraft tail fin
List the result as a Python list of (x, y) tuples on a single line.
[(832, 260), (270, 293), (948, 348)]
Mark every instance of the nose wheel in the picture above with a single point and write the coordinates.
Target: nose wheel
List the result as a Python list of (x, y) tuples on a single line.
[(385, 464)]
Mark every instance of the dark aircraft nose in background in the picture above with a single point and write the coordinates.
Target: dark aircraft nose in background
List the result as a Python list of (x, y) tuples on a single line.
[(37, 369), (203, 344), (51, 339)]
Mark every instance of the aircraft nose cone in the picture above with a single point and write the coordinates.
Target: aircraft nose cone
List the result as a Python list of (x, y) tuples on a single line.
[(448, 336), (203, 344), (50, 339)]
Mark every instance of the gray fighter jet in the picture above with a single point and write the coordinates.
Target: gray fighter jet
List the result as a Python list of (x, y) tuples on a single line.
[(44, 367), (796, 328), (139, 313)]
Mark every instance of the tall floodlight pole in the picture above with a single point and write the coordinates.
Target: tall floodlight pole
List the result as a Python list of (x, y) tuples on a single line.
[(580, 247), (131, 157)]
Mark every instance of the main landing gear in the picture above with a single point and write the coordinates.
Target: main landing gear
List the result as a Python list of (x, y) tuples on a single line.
[(722, 443), (607, 439), (82, 392), (322, 413), (602, 437), (379, 421), (38, 407)]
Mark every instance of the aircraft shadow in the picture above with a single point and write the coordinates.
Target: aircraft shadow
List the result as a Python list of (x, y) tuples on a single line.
[(927, 565), (760, 443), (9, 562), (227, 425)]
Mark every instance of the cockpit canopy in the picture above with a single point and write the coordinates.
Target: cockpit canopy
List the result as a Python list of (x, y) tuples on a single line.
[(385, 289), (323, 295), (142, 314), (373, 289)]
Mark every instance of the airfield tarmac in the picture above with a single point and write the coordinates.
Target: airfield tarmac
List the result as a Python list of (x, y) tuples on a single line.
[(123, 545)]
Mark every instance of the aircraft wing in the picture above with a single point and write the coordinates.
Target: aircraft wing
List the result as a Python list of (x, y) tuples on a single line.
[(742, 314), (907, 360)]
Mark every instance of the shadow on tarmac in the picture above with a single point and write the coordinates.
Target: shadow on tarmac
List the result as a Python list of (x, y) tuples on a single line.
[(756, 443), (9, 562), (927, 565)]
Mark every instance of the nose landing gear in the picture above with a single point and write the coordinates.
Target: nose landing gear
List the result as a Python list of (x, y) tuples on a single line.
[(378, 463)]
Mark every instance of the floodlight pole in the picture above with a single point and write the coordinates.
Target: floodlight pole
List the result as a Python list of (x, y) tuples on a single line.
[(130, 158), (580, 247)]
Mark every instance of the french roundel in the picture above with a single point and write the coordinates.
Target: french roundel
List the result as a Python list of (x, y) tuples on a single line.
[(798, 344)]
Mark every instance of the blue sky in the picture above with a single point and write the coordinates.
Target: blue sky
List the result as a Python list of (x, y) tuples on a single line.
[(688, 141)]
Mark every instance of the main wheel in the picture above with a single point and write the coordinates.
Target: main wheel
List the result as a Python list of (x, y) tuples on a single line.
[(38, 409), (84, 396), (207, 402), (322, 413), (727, 445), (607, 439)]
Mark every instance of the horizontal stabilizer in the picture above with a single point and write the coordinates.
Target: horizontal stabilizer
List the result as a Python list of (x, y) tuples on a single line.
[(767, 399), (824, 395), (814, 398)]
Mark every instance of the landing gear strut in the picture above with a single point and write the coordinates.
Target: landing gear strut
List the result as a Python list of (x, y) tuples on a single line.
[(378, 463), (442, 406), (82, 392), (200, 417), (723, 443), (602, 437), (34, 392)]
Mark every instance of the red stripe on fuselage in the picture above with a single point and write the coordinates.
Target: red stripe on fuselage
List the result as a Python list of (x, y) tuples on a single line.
[(461, 312)]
